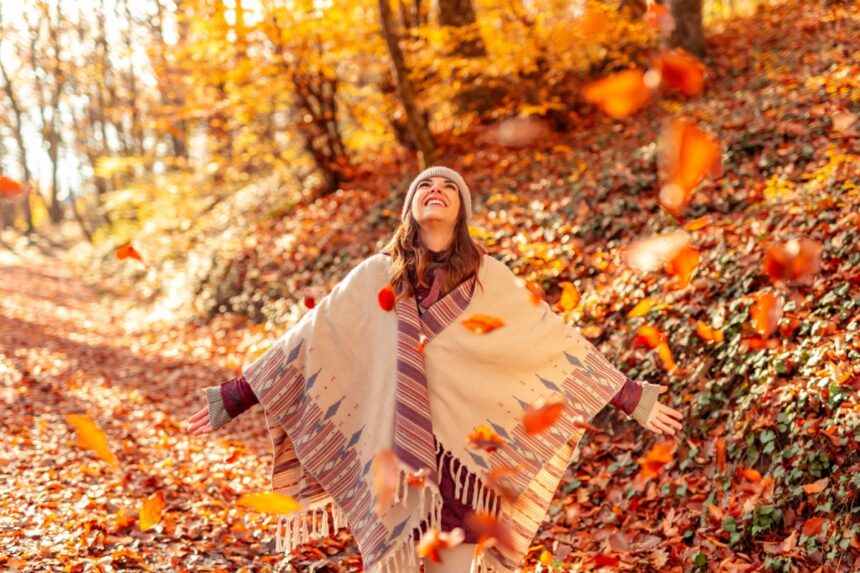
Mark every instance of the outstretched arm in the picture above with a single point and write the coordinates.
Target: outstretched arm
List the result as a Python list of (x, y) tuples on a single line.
[(224, 403), (639, 401)]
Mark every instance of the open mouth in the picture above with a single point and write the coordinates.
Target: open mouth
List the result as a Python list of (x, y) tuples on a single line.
[(434, 201)]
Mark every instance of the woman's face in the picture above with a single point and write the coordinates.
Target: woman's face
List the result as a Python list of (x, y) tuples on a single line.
[(436, 199)]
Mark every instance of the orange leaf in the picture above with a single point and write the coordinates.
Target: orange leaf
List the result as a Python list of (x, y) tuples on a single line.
[(642, 308), (797, 259), (816, 486), (270, 502), (578, 422), (658, 17), (705, 332), (482, 324), (681, 71), (720, 450), (127, 251), (649, 336), (683, 264), (151, 510), (497, 478), (665, 354), (434, 541), (687, 156), (654, 252), (486, 439), (619, 95), (536, 292), (386, 478), (489, 531), (10, 188), (569, 296), (418, 478), (752, 475), (543, 414), (765, 313), (656, 458), (386, 298), (812, 526), (91, 437)]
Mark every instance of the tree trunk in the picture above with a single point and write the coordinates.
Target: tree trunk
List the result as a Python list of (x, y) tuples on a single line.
[(688, 33), (418, 128), (461, 14)]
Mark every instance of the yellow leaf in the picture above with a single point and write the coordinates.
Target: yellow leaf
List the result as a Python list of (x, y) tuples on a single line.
[(91, 437), (151, 510), (271, 502)]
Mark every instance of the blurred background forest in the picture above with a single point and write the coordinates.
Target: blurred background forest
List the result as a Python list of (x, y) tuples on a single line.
[(180, 180)]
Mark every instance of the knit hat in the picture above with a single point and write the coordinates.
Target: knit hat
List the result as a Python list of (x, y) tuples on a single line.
[(439, 171)]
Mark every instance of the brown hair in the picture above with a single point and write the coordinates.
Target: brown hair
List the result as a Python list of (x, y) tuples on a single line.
[(408, 254)]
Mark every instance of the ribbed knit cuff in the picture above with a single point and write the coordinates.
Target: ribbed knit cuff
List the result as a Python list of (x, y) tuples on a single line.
[(218, 415), (646, 403)]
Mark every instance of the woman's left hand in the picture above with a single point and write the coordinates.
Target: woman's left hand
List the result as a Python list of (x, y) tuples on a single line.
[(663, 418)]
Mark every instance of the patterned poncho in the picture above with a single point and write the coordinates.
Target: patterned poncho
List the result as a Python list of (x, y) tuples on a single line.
[(352, 379)]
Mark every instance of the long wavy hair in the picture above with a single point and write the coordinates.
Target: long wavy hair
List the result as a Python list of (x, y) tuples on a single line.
[(410, 256)]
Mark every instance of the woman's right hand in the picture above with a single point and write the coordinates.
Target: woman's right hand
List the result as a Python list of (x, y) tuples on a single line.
[(199, 423)]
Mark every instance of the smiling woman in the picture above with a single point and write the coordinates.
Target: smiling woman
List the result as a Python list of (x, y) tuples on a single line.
[(397, 420)]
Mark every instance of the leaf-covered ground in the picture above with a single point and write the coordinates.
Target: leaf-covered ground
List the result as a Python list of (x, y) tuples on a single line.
[(763, 418)]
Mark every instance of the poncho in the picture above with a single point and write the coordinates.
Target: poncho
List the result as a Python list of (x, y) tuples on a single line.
[(352, 379)]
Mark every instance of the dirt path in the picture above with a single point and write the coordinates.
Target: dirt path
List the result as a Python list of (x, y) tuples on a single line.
[(64, 350)]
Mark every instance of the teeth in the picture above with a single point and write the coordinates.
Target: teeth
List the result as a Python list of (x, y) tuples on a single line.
[(435, 202)]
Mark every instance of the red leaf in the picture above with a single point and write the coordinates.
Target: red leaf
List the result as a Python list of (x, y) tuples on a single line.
[(681, 71), (127, 251), (812, 526), (10, 188), (606, 560), (386, 298)]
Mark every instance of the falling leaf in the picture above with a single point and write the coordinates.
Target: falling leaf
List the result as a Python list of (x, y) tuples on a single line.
[(537, 292), (386, 298), (665, 354), (816, 486), (490, 531), (309, 302), (655, 252), (386, 478), (649, 336), (687, 156), (9, 188), (422, 342), (578, 422), (434, 541), (418, 478), (619, 95), (706, 333), (91, 437), (569, 296), (645, 306), (656, 458), (543, 414), (683, 264), (482, 324), (681, 71), (765, 313), (127, 251), (797, 259), (486, 439), (498, 479), (270, 502), (659, 18), (151, 510)]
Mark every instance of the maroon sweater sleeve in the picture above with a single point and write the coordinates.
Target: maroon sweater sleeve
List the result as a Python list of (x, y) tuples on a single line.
[(237, 396), (628, 396)]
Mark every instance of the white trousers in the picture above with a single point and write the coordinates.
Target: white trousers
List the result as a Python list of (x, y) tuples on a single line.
[(455, 560)]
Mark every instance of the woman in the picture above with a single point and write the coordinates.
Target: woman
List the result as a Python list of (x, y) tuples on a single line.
[(433, 350)]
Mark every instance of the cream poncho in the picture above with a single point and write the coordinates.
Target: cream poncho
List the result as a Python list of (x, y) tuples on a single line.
[(351, 379)]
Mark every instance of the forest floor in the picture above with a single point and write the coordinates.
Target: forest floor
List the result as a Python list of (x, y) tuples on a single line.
[(764, 476)]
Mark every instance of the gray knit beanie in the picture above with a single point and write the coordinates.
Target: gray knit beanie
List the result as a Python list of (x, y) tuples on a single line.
[(439, 171)]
